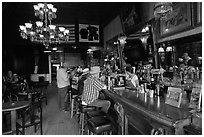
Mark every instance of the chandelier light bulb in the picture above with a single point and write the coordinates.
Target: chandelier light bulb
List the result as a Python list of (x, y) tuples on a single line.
[(54, 10), (40, 5), (66, 31), (32, 33), (50, 6), (36, 7), (61, 29), (39, 23), (52, 27), (52, 36), (22, 28), (28, 25)]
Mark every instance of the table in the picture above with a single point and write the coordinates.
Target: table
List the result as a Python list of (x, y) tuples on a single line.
[(27, 93), (13, 106)]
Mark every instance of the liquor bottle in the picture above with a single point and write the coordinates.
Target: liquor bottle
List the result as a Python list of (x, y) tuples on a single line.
[(197, 73), (109, 83)]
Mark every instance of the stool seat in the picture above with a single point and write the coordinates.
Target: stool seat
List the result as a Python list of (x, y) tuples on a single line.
[(85, 108), (98, 125), (91, 114)]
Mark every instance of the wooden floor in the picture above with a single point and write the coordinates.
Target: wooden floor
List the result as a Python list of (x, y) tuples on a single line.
[(55, 122)]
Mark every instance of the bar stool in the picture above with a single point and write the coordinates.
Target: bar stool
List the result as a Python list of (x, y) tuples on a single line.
[(82, 120), (74, 106), (96, 113), (99, 125)]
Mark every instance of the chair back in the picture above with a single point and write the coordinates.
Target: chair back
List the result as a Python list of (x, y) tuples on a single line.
[(9, 97), (31, 113)]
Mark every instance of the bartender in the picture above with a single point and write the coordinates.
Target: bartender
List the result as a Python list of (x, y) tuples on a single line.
[(131, 78), (186, 58)]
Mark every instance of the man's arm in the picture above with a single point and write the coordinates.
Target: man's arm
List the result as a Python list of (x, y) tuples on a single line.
[(98, 85)]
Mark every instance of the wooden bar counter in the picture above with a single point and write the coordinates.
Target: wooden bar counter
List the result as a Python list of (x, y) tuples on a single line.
[(144, 115)]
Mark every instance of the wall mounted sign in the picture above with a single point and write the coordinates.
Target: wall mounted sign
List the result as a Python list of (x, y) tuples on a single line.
[(178, 20), (174, 96), (195, 101), (89, 33)]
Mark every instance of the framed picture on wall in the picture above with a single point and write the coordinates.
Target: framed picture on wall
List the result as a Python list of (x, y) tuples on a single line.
[(130, 18), (179, 20), (89, 33)]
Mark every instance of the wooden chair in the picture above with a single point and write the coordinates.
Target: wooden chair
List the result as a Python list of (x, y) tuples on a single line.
[(31, 116), (9, 97), (43, 87), (6, 115)]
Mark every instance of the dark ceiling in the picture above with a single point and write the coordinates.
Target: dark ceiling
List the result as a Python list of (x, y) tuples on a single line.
[(67, 12), (18, 13)]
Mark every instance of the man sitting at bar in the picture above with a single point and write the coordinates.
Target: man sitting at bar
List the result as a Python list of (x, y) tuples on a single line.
[(92, 87), (82, 78)]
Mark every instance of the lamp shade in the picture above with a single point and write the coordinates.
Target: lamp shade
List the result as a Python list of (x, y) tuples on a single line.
[(161, 49)]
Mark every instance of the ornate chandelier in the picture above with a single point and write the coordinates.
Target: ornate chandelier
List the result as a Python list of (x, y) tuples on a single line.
[(43, 31), (162, 9)]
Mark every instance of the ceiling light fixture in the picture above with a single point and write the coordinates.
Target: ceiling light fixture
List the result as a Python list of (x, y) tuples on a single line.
[(43, 31), (162, 9)]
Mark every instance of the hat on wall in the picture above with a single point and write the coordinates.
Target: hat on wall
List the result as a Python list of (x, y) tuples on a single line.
[(95, 69)]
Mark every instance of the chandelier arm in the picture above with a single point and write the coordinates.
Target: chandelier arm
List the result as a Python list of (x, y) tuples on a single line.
[(46, 19)]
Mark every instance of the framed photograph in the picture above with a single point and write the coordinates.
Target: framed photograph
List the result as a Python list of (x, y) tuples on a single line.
[(174, 96), (179, 20), (89, 33)]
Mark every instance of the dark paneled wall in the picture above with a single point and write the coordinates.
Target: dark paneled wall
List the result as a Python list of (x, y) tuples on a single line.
[(20, 59)]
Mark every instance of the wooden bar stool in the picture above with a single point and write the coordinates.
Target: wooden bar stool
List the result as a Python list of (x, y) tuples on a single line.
[(99, 125), (74, 107), (82, 120)]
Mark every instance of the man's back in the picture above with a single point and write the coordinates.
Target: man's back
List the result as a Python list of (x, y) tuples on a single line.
[(62, 78), (92, 86), (81, 83)]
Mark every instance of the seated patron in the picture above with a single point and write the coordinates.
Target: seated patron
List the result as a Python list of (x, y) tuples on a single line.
[(186, 58), (82, 78), (92, 87)]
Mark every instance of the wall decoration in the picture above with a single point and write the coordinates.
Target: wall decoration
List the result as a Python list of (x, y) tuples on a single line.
[(89, 33), (174, 96), (178, 20), (130, 18)]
